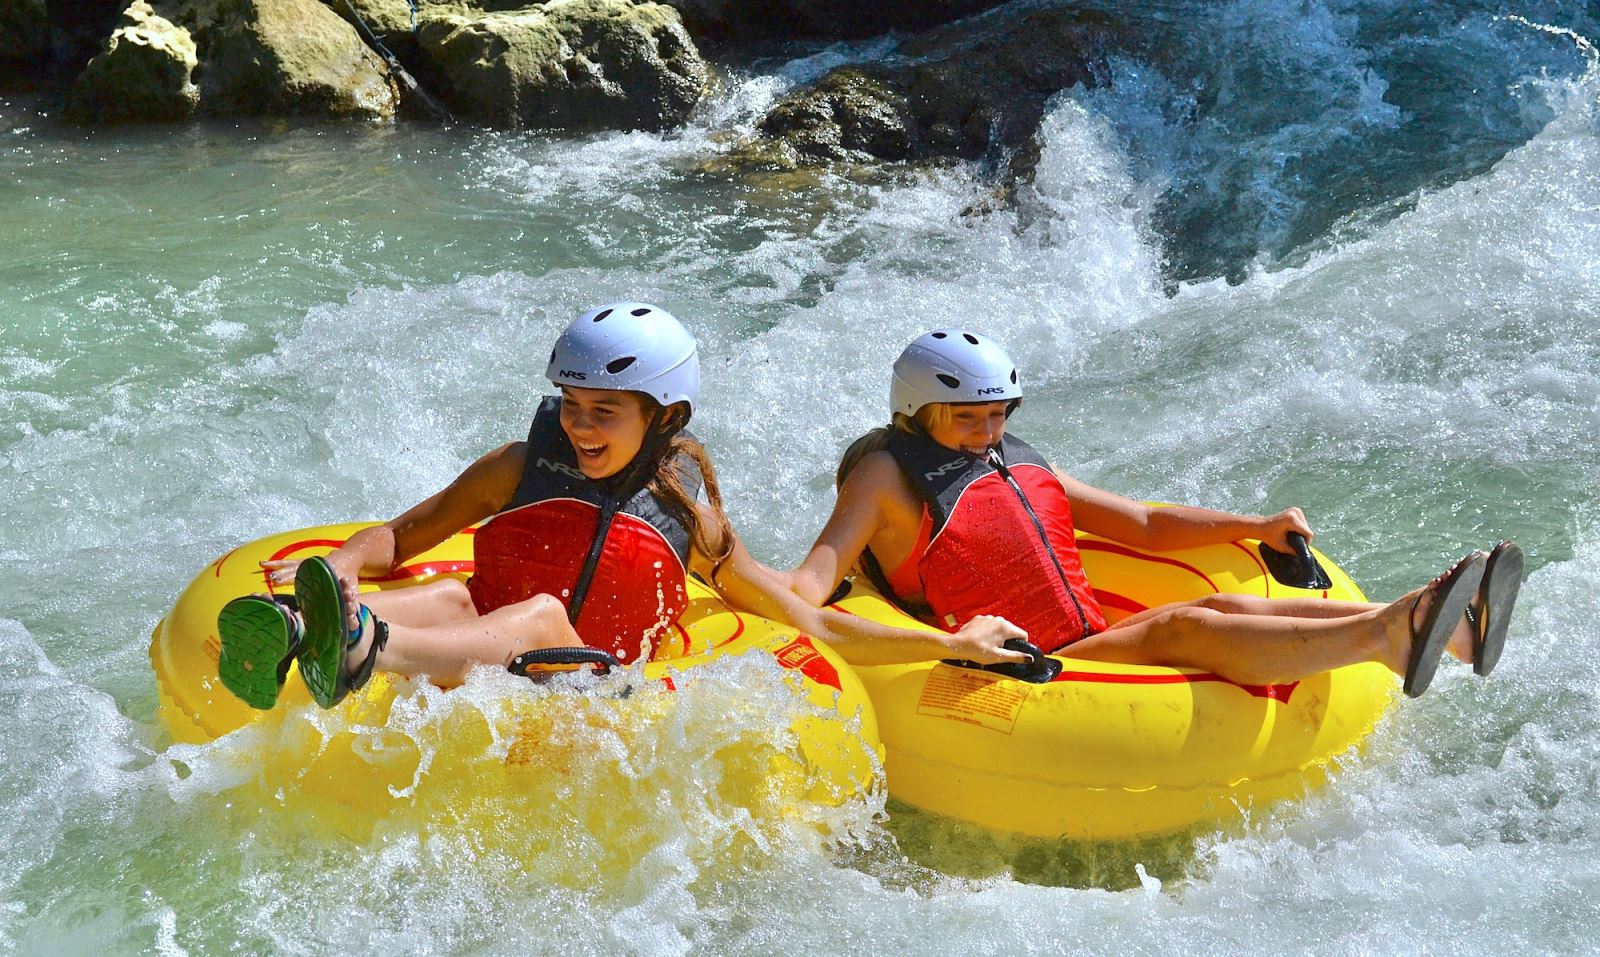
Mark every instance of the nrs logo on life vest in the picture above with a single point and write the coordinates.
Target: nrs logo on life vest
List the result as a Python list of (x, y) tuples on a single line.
[(947, 467), (801, 654), (561, 467)]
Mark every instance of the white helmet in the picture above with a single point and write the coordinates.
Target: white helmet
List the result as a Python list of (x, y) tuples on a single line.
[(952, 365), (632, 346)]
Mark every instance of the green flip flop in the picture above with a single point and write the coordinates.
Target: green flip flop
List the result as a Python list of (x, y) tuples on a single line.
[(260, 637), (326, 645)]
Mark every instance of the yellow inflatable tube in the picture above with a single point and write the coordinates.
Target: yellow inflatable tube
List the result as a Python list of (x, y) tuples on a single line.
[(1109, 751), (836, 759)]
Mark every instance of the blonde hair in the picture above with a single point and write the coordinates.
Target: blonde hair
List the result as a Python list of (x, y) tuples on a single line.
[(934, 415)]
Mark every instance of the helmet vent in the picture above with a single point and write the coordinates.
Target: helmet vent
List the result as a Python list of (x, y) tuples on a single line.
[(644, 311), (1013, 377), (603, 313), (949, 380), (617, 365), (941, 335), (970, 337)]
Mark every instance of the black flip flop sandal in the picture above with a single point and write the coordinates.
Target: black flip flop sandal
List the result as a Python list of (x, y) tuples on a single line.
[(1497, 595), (1452, 593)]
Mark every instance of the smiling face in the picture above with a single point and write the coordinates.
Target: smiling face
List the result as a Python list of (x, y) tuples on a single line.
[(970, 427), (606, 428)]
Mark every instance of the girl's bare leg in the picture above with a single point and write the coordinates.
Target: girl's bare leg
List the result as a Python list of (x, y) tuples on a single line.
[(448, 649), (435, 603), (1264, 648), (1460, 646), (1233, 604)]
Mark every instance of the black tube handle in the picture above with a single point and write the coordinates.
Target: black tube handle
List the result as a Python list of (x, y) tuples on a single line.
[(1299, 569), (529, 663), (1039, 669)]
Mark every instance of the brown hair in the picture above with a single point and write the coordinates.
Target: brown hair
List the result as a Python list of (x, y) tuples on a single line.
[(666, 484)]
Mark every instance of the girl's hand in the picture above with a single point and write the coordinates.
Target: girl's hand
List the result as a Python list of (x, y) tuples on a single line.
[(345, 565), (1276, 529), (983, 638), (281, 572)]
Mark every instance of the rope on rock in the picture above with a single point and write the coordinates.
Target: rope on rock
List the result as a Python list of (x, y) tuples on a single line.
[(406, 79)]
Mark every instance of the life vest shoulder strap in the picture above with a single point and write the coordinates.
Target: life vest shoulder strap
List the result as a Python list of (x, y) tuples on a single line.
[(550, 470), (939, 475)]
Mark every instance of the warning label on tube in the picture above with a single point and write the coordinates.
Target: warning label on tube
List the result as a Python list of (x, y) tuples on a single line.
[(973, 697)]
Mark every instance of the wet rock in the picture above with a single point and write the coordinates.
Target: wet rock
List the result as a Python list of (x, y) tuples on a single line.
[(720, 21), (986, 82), (848, 115), (567, 64), (389, 19), (144, 73), (252, 57), (967, 90), (24, 38), (268, 57)]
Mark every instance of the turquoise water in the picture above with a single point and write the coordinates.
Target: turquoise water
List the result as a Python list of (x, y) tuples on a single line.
[(214, 333)]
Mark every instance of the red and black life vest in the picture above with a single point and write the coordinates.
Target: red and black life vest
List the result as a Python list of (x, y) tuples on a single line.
[(612, 552), (1002, 541)]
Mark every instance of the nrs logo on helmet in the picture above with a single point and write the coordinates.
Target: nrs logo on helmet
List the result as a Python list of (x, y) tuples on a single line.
[(951, 365)]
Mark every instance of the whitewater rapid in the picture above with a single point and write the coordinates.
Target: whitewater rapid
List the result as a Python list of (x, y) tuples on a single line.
[(1232, 300)]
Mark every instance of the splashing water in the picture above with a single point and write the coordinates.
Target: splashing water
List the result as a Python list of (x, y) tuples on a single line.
[(1341, 256)]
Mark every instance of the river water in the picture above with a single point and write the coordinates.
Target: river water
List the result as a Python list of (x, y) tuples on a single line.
[(1340, 255)]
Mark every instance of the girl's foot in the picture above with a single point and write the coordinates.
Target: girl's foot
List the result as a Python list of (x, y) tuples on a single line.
[(338, 630), (1438, 614), (260, 636), (1491, 610)]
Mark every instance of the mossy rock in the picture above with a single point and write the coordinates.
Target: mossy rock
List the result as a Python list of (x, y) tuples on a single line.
[(567, 65), (968, 90), (144, 73)]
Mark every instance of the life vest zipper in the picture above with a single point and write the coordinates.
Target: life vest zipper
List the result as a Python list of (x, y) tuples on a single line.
[(999, 466), (580, 589)]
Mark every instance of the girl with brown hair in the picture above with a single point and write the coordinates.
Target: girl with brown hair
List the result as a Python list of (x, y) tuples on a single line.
[(593, 523)]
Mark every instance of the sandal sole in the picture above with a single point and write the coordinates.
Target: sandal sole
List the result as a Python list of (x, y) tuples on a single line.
[(255, 644), (322, 651), (1502, 580), (1449, 607)]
